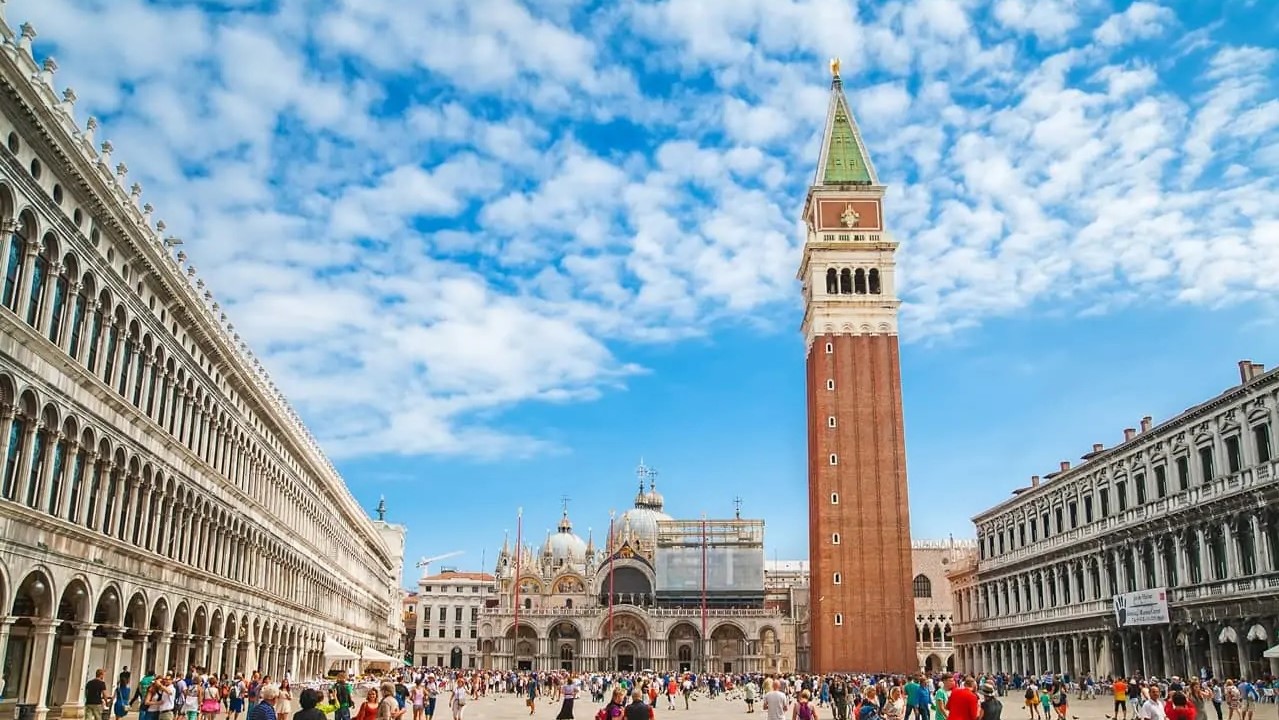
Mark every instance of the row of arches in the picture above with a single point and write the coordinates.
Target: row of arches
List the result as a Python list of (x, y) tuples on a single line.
[(629, 642), (71, 469), (58, 626), (847, 281), (48, 287), (1237, 546), (1234, 649)]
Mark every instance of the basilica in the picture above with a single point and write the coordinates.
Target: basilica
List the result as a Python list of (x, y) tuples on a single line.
[(659, 593)]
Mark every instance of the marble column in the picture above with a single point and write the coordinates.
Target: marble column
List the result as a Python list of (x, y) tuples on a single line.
[(215, 661), (43, 644), (1214, 652), (1125, 651), (139, 654), (79, 672), (162, 652), (111, 659)]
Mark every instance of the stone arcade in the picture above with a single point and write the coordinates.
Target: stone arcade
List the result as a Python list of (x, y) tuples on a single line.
[(161, 505), (1188, 505)]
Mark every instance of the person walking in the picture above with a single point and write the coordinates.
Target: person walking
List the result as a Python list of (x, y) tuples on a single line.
[(568, 693), (96, 697), (457, 702), (210, 699), (388, 708)]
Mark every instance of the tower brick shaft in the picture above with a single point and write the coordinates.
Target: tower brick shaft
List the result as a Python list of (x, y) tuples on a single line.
[(859, 519)]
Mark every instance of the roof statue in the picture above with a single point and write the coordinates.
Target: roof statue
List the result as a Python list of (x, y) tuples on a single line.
[(834, 67)]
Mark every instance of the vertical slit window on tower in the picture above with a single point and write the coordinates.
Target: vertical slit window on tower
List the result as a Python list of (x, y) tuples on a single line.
[(834, 539), (830, 348), (834, 459), (839, 619), (830, 384), (830, 421), (834, 498), (839, 579)]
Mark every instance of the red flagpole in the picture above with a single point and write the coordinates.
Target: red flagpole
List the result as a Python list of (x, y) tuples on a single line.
[(611, 555), (519, 551), (703, 581)]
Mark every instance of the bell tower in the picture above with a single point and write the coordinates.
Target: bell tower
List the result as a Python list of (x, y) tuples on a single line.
[(862, 611)]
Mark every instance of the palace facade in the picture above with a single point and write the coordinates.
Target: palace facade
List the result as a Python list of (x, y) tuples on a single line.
[(1189, 507), (644, 599), (161, 504)]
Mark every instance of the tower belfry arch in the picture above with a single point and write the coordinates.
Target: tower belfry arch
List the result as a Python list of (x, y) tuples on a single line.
[(859, 523)]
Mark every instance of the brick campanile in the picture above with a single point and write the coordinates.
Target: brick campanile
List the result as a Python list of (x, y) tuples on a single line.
[(861, 611)]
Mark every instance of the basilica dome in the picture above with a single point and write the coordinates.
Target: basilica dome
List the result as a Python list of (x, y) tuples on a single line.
[(639, 524), (564, 545)]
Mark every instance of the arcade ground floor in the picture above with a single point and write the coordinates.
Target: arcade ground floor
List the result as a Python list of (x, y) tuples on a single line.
[(1229, 647), (581, 640), (63, 619)]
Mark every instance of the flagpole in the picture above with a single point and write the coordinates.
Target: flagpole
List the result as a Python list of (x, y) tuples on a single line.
[(519, 552), (611, 554), (703, 591)]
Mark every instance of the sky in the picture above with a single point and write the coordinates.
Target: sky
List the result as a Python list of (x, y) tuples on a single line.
[(497, 251)]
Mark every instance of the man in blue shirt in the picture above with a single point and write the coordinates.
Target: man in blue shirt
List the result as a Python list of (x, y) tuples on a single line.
[(264, 708)]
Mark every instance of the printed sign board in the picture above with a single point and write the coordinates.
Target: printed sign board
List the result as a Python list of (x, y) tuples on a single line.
[(1144, 607)]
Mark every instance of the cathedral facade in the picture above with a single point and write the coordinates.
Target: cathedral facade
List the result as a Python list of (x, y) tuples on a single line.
[(659, 593)]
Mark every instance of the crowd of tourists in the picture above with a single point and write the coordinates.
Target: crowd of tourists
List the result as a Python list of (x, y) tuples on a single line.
[(421, 693)]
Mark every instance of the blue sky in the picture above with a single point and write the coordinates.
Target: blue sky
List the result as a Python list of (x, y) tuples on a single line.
[(495, 251)]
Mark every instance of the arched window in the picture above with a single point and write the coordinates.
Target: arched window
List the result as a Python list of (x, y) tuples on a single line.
[(39, 278), (528, 604), (127, 359), (81, 305), (13, 266), (845, 281), (113, 338), (923, 586), (61, 288), (832, 282), (859, 281), (873, 278)]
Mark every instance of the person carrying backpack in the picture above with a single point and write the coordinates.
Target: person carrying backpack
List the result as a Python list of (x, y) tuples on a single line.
[(804, 709)]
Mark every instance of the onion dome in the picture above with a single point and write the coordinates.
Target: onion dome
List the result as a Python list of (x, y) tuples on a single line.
[(639, 524), (564, 545)]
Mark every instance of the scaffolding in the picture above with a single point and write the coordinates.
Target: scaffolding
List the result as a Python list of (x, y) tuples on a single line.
[(710, 563)]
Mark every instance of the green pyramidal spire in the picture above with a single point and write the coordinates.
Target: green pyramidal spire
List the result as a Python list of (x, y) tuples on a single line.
[(843, 159)]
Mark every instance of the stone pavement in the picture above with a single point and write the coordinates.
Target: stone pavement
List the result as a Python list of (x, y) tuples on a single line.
[(509, 707)]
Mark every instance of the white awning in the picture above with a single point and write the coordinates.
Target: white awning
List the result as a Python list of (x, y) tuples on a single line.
[(1272, 652), (376, 657), (334, 651)]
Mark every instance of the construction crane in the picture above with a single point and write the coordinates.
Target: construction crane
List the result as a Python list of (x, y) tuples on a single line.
[(425, 563)]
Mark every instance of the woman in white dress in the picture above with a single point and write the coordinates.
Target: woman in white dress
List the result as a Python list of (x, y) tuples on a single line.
[(284, 703)]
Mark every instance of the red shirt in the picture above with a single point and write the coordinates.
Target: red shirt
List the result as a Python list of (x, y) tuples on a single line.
[(1185, 712), (962, 705)]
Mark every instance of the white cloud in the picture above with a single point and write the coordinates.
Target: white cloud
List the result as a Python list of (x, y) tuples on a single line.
[(422, 216), (1141, 21), (1048, 20)]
